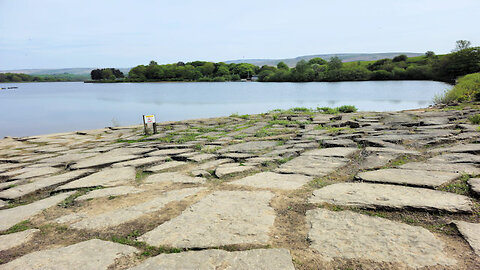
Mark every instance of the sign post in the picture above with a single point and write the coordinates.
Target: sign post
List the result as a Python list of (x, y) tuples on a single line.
[(149, 119)]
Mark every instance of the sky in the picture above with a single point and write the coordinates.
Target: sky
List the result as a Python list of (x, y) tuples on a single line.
[(117, 33)]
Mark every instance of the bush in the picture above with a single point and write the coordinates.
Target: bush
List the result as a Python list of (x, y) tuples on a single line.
[(475, 119), (466, 89), (347, 109), (327, 110)]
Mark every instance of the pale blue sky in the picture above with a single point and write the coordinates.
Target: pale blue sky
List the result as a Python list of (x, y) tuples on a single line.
[(117, 33)]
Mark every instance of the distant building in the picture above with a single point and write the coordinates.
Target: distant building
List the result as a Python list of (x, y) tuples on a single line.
[(254, 78)]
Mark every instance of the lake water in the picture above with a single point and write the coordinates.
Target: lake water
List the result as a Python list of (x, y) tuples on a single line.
[(41, 108)]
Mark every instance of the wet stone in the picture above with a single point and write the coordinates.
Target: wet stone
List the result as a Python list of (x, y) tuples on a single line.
[(350, 235), (222, 218), (409, 177), (12, 216), (375, 196), (272, 180), (88, 255), (108, 177), (12, 240), (173, 177), (266, 259)]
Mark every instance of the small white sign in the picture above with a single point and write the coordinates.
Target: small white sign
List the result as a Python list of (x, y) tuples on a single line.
[(149, 119)]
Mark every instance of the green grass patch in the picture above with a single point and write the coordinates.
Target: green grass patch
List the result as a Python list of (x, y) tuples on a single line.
[(475, 119), (19, 227), (70, 200), (459, 186), (467, 89), (147, 250)]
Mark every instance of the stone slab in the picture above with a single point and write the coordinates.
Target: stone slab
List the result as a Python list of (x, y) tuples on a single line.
[(67, 158), (41, 183), (232, 169), (104, 159), (350, 235), (106, 192), (170, 152), (123, 215), (471, 233), (221, 218), (108, 177), (475, 185), (341, 152), (376, 160), (2, 203), (264, 259), (31, 172), (446, 167), (392, 150), (373, 196), (248, 147), (148, 161), (201, 157), (12, 216), (312, 165), (166, 166), (455, 158), (472, 148), (88, 255), (10, 184), (409, 177), (173, 177), (271, 180), (12, 240)]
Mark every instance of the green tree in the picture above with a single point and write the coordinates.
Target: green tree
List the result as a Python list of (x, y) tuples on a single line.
[(283, 66), (207, 69), (461, 45), (318, 61), (400, 58), (335, 63)]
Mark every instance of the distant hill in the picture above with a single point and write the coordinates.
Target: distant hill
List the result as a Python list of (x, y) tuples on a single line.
[(74, 71), (345, 57), (291, 62)]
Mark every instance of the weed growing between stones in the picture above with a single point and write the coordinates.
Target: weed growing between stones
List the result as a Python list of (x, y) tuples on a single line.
[(19, 227), (70, 200), (459, 186), (140, 175)]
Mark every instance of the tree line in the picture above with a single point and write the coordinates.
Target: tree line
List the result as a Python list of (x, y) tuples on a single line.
[(21, 77), (461, 61), (192, 71)]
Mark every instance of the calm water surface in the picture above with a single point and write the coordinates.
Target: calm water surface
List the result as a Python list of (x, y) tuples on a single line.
[(41, 108)]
